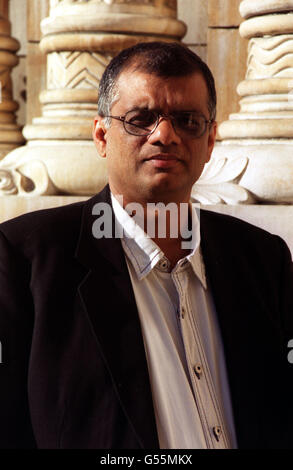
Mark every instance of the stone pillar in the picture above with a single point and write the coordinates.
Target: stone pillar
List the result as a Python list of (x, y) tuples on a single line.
[(256, 154), (79, 37), (10, 133)]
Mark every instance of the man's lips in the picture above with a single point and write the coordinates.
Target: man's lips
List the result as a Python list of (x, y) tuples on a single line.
[(163, 160)]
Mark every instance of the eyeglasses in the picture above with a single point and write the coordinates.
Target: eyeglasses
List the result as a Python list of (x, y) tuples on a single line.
[(143, 122)]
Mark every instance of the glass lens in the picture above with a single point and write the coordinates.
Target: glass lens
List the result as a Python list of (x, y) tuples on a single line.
[(189, 122), (140, 121)]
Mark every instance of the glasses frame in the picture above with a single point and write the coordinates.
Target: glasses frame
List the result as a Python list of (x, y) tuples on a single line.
[(157, 122)]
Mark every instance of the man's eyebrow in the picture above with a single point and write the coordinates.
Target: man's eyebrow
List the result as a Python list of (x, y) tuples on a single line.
[(140, 108), (194, 111)]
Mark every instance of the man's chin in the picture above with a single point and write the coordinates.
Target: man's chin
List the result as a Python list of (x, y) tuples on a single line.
[(166, 189)]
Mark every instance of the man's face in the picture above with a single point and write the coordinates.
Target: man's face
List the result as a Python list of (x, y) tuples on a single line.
[(163, 166)]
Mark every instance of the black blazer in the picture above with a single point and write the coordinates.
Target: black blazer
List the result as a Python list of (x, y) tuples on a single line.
[(74, 372)]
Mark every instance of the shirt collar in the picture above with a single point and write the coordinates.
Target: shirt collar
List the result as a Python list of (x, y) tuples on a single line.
[(145, 254)]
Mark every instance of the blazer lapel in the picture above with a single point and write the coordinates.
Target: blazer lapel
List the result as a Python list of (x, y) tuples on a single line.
[(108, 298)]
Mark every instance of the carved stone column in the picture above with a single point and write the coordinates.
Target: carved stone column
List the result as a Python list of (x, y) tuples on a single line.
[(79, 37), (256, 154), (10, 133)]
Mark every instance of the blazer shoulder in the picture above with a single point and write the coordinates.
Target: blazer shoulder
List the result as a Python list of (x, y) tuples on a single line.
[(234, 232), (227, 223), (44, 223)]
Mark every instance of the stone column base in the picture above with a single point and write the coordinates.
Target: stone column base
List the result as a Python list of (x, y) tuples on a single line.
[(53, 167)]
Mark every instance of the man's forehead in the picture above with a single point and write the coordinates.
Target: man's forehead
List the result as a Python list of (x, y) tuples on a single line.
[(138, 87)]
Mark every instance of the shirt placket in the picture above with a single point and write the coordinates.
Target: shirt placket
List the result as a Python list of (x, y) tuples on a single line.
[(200, 377)]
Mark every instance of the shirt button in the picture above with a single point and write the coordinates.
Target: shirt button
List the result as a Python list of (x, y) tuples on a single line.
[(182, 312), (198, 370), (217, 432)]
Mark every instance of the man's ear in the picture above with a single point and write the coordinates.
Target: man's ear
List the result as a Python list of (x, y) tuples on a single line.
[(211, 139), (99, 133)]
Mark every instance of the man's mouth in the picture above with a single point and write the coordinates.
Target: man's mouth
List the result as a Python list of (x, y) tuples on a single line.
[(163, 160)]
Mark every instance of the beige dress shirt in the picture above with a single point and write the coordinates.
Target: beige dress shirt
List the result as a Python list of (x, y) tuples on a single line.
[(182, 341)]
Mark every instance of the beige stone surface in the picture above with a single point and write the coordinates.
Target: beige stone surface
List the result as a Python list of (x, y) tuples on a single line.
[(226, 53), (14, 206), (194, 14), (36, 80), (266, 109), (270, 57), (201, 51), (53, 167), (224, 13), (247, 127), (267, 175), (19, 81), (250, 8), (17, 16), (37, 10), (267, 25), (262, 130), (265, 87), (228, 67), (114, 23)]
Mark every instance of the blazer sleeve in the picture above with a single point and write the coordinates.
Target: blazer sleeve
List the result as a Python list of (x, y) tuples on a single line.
[(16, 326), (286, 309), (286, 290)]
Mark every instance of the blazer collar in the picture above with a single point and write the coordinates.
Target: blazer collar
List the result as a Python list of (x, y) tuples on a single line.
[(89, 249), (107, 295)]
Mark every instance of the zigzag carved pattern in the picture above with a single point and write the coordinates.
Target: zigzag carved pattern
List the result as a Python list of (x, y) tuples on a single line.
[(75, 69), (270, 57)]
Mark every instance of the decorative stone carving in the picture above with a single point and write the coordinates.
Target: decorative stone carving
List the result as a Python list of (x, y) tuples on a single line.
[(79, 37), (219, 182), (10, 133), (263, 129)]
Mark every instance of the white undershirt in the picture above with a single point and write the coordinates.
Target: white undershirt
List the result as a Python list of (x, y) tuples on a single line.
[(182, 342)]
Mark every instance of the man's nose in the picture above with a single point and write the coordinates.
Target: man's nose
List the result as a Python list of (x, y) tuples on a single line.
[(164, 133)]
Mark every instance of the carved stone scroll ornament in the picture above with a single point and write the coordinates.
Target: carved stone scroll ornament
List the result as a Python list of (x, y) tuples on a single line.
[(38, 172)]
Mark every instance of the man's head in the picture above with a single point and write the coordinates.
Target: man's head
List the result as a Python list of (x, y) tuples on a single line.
[(158, 160), (159, 58)]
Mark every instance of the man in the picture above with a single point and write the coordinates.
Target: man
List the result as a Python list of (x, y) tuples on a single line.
[(142, 341)]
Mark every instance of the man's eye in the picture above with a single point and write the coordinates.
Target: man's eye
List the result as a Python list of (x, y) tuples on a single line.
[(189, 121), (141, 118)]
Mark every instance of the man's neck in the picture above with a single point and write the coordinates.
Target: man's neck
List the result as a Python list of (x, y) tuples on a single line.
[(164, 223), (166, 226), (172, 249)]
